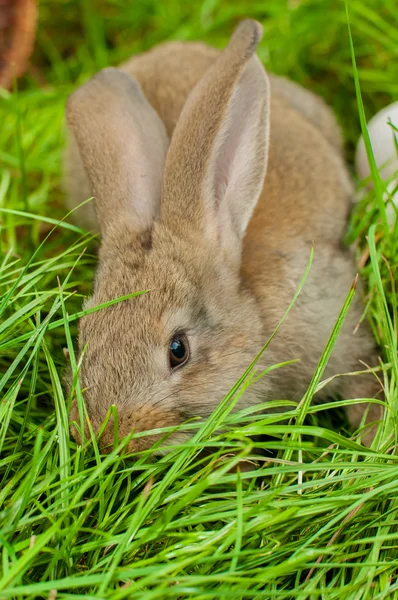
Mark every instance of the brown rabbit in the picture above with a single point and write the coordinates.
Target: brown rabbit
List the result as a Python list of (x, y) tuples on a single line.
[(218, 224)]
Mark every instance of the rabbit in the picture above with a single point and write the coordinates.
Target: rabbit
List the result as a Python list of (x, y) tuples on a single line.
[(212, 182)]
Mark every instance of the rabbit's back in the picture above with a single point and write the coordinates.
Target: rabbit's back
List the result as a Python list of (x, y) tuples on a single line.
[(168, 73), (307, 190)]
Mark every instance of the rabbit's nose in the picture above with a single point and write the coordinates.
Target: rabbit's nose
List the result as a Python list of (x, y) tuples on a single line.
[(136, 421)]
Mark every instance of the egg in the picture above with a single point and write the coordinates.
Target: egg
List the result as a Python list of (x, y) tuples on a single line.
[(384, 150), (382, 139)]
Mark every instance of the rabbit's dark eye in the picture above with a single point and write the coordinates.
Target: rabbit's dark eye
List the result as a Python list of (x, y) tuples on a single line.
[(178, 351)]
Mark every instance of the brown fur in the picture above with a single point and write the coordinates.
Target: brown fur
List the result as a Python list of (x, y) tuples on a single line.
[(226, 255)]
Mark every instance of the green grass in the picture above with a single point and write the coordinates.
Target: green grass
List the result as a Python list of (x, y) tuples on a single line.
[(317, 518)]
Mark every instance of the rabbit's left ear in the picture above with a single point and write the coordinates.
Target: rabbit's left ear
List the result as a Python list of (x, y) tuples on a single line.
[(217, 158), (123, 145)]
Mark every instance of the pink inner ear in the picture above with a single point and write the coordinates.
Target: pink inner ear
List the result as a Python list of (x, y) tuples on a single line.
[(141, 143), (145, 163), (238, 167)]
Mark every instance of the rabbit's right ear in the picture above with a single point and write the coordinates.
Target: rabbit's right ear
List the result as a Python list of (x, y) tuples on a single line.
[(216, 163), (123, 145)]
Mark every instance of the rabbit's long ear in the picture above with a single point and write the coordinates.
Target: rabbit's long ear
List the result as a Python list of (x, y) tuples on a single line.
[(123, 145), (217, 158)]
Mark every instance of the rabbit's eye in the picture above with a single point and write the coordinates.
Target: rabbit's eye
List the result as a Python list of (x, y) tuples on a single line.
[(178, 351)]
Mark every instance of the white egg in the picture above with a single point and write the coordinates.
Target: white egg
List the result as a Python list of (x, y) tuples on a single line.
[(382, 139)]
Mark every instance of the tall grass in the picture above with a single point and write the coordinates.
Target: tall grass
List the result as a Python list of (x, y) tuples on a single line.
[(316, 516)]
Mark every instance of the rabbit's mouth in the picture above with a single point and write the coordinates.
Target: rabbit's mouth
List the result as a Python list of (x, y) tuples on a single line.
[(145, 428), (155, 444)]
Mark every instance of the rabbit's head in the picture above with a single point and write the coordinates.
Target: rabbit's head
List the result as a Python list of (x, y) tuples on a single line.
[(172, 219)]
